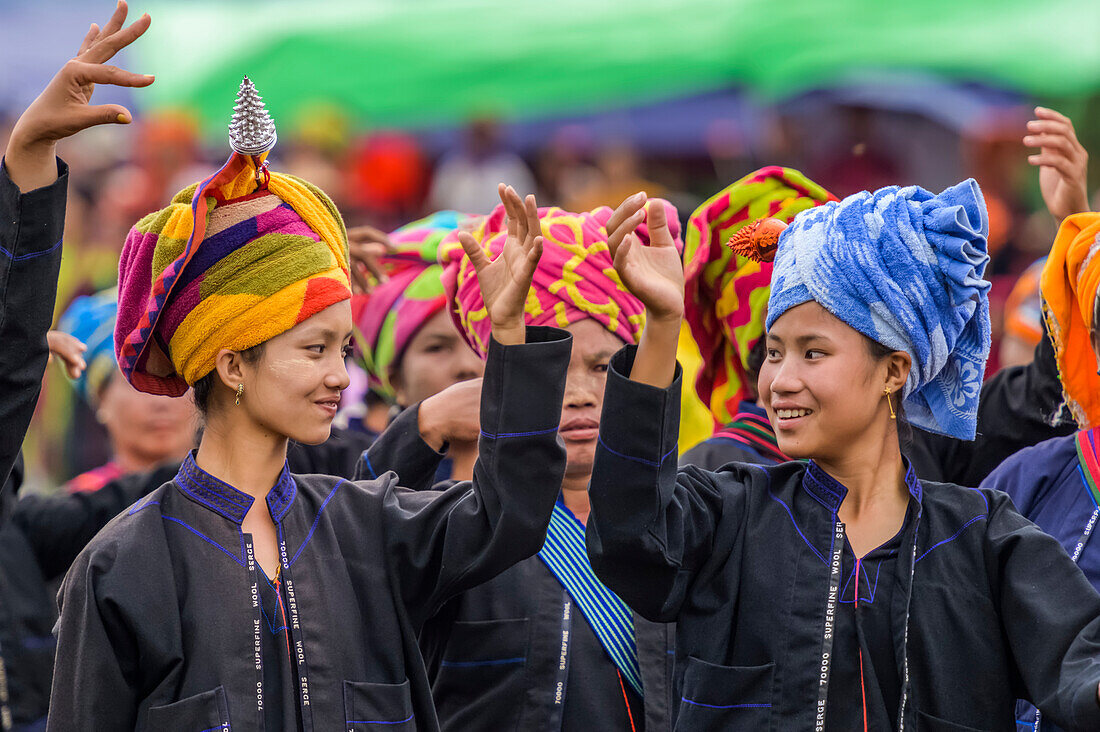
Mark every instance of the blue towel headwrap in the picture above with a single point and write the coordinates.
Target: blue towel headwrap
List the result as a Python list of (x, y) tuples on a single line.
[(91, 320), (905, 268)]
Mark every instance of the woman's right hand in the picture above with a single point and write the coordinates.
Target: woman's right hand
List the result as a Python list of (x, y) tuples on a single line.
[(69, 350), (506, 280), (64, 106)]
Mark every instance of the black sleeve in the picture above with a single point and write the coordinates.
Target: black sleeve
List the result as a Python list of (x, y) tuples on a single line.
[(31, 225), (97, 681), (1020, 406), (400, 448), (1051, 617), (444, 543), (58, 527), (339, 455), (651, 527)]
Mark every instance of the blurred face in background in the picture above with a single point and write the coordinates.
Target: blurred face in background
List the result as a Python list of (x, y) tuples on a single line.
[(436, 357), (146, 430)]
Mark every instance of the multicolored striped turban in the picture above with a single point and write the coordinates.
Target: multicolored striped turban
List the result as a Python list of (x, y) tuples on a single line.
[(232, 262), (388, 318), (575, 278), (726, 294), (91, 320), (1069, 286)]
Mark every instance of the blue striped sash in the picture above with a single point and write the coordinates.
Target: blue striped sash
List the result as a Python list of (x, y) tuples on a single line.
[(610, 618)]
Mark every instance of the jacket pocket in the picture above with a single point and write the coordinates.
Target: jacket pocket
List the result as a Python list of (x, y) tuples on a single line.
[(725, 697), (927, 723), (479, 684), (205, 712), (368, 704)]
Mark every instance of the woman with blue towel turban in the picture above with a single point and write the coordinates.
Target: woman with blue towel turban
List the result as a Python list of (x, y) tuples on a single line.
[(840, 592)]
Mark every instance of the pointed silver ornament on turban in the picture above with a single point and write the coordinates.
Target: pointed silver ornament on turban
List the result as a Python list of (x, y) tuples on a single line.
[(251, 131)]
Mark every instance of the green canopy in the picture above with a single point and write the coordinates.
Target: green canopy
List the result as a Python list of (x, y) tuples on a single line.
[(427, 62)]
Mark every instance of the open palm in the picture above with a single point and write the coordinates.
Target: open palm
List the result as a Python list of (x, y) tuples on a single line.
[(654, 273), (1062, 160), (506, 280)]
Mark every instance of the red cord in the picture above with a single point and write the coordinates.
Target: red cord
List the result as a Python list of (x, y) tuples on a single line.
[(862, 686), (629, 714), (282, 613)]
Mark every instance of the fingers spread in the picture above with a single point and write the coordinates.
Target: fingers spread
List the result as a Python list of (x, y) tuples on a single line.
[(108, 45), (117, 18)]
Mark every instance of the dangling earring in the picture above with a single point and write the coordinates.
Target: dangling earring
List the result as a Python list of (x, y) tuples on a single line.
[(240, 390), (889, 401)]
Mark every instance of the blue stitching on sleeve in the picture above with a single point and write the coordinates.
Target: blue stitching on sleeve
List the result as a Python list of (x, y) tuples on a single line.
[(366, 459), (207, 539), (315, 521), (30, 255), (949, 539), (518, 434), (400, 721), (643, 461)]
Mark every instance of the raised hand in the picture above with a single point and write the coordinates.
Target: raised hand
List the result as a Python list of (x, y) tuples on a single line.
[(1062, 160), (506, 280), (366, 246), (654, 273), (64, 106)]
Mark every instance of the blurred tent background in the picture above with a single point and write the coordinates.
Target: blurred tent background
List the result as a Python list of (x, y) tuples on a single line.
[(374, 99)]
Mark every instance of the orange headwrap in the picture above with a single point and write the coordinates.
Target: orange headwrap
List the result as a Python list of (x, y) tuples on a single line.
[(1069, 283)]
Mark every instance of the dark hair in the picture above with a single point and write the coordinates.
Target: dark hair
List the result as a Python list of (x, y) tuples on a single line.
[(878, 352), (203, 389)]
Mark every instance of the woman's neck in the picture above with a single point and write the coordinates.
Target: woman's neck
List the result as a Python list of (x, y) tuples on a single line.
[(874, 476), (248, 459), (463, 455), (574, 493)]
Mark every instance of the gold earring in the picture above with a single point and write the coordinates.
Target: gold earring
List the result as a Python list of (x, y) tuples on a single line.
[(240, 390), (893, 414)]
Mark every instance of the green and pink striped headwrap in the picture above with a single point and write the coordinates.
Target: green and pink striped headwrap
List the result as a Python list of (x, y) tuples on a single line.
[(575, 278), (726, 294), (387, 319)]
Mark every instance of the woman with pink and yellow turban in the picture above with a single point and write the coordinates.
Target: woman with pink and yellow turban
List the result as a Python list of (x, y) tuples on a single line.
[(239, 595), (617, 676)]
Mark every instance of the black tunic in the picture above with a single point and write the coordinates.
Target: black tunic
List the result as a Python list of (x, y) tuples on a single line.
[(494, 652), (161, 624), (988, 608)]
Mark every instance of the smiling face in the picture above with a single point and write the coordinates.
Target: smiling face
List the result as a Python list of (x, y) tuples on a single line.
[(435, 358), (294, 388), (593, 347), (821, 386)]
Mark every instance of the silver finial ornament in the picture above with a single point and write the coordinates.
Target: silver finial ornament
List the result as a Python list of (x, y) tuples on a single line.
[(251, 131)]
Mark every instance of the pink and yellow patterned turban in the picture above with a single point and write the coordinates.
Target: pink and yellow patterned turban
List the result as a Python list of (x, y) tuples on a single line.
[(726, 294), (575, 278), (388, 318), (231, 262)]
